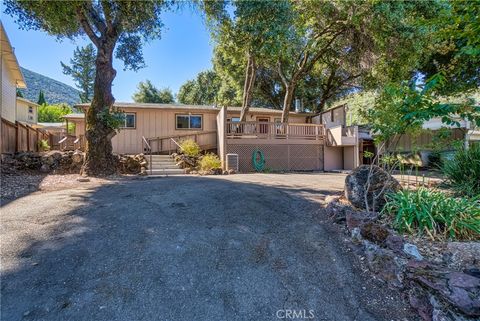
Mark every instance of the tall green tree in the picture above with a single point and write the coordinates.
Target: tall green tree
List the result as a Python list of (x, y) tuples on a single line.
[(41, 98), (115, 28), (82, 70), (200, 91), (349, 42), (19, 93), (253, 36), (148, 93)]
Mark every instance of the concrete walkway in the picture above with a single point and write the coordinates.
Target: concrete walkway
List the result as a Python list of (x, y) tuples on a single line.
[(240, 247)]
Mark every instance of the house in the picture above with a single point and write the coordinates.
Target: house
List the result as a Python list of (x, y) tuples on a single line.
[(12, 79), (27, 111), (300, 144), (18, 131)]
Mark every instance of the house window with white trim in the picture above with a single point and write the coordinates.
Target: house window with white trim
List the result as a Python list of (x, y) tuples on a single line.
[(130, 120), (188, 121), (30, 109)]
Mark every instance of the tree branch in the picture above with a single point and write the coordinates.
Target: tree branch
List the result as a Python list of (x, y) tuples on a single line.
[(87, 27)]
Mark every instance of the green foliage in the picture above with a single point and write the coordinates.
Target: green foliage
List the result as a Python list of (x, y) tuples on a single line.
[(403, 108), (41, 98), (463, 171), (113, 119), (200, 91), (435, 214), (82, 69), (209, 161), (454, 46), (53, 113), (43, 145), (19, 93), (148, 93), (190, 148), (55, 92)]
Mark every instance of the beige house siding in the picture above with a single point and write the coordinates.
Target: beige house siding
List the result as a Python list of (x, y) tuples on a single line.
[(23, 111), (9, 94)]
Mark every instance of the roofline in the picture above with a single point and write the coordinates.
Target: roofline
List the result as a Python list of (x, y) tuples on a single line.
[(332, 108), (191, 107), (28, 101), (7, 51)]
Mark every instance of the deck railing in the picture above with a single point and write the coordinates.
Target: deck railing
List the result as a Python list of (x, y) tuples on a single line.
[(167, 144), (269, 130)]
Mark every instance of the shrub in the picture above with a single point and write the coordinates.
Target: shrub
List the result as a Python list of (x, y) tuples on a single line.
[(43, 145), (463, 171), (190, 148), (434, 213), (209, 162)]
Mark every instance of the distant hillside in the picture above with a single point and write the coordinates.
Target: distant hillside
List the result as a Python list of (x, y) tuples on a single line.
[(55, 91)]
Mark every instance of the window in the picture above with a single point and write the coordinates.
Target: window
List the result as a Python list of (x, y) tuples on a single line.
[(30, 109), (130, 120), (188, 122)]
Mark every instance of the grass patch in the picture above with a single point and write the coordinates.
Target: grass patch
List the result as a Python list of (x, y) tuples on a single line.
[(463, 171), (435, 214)]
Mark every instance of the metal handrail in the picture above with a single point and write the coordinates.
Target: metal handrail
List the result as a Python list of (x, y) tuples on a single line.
[(149, 149)]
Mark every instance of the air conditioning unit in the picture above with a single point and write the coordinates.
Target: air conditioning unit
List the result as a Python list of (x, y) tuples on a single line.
[(232, 162)]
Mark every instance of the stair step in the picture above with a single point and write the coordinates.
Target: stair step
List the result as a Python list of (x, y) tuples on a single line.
[(166, 171), (172, 166), (162, 162)]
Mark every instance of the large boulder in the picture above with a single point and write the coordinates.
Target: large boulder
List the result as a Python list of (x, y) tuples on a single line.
[(381, 183)]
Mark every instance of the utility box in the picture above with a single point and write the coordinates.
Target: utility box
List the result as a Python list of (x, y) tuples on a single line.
[(232, 162)]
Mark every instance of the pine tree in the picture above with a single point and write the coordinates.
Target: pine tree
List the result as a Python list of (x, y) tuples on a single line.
[(41, 98), (82, 70), (19, 93)]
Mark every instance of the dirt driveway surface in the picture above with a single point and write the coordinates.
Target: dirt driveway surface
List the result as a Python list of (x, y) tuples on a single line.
[(240, 247)]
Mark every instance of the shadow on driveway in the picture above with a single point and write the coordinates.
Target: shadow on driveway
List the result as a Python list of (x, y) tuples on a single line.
[(181, 248)]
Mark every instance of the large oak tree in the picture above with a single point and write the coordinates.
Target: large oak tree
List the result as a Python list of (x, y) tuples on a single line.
[(115, 28)]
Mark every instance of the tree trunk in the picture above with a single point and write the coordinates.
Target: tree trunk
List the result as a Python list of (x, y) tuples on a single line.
[(287, 101), (99, 159), (250, 75)]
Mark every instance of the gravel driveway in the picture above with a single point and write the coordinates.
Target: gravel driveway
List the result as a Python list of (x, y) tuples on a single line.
[(240, 247)]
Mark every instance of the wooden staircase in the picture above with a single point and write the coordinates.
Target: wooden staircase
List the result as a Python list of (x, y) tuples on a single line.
[(163, 165)]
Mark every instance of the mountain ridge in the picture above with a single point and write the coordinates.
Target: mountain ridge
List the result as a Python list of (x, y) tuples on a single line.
[(55, 91)]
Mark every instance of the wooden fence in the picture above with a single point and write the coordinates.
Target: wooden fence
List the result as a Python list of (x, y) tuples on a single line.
[(19, 137)]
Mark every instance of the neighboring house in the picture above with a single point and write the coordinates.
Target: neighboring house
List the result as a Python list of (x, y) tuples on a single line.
[(12, 79), (27, 111), (299, 145)]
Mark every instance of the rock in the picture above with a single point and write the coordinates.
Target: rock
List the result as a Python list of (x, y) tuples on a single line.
[(337, 210), (225, 173), (45, 168), (83, 179), (412, 251), (381, 183), (231, 171), (356, 219), (463, 254), (420, 301), (77, 157), (385, 264), (395, 243), (374, 232), (356, 236), (460, 290)]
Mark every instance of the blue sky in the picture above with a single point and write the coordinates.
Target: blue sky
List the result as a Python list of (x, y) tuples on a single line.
[(184, 50)]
